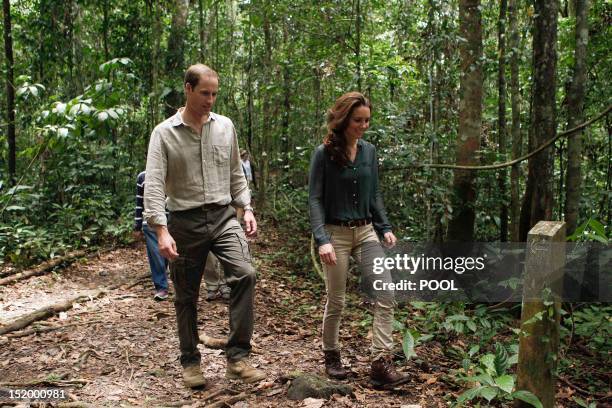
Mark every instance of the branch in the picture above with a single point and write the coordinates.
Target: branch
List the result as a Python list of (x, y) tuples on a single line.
[(313, 256), (48, 311), (509, 163)]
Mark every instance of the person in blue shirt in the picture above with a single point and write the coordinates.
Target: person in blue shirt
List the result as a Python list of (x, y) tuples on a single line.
[(157, 263)]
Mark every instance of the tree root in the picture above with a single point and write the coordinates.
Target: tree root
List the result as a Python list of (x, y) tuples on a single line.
[(598, 395), (45, 329), (75, 404), (230, 400), (44, 381)]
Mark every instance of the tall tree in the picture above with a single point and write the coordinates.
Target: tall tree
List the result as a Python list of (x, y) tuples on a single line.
[(175, 57), (105, 24), (10, 91), (461, 227), (358, 43), (156, 32), (575, 106), (538, 199), (515, 100), (202, 31), (501, 117), (267, 107)]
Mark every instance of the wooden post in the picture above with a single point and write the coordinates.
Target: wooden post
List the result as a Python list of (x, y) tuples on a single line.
[(540, 317)]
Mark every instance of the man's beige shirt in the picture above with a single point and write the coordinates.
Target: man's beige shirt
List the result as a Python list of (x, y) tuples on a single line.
[(186, 170)]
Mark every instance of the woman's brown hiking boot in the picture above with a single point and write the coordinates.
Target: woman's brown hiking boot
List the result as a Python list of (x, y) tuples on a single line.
[(333, 365), (383, 373)]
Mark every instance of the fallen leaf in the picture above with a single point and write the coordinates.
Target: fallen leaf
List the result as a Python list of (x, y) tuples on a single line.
[(313, 403)]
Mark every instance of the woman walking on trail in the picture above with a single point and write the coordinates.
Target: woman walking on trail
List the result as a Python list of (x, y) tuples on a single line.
[(347, 217)]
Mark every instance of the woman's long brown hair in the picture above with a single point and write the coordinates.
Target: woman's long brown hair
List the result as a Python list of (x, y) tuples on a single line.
[(338, 118)]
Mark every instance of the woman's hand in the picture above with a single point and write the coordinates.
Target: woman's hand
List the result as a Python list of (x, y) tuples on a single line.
[(327, 254), (389, 239)]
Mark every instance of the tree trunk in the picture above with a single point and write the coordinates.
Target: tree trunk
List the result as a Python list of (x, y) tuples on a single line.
[(287, 110), (10, 92), (175, 54), (461, 227), (155, 64), (249, 75), (605, 206), (267, 117), (517, 139), (105, 30), (575, 106), (538, 199), (358, 43), (202, 31), (501, 121)]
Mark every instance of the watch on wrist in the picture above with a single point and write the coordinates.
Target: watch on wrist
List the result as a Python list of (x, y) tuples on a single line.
[(248, 207)]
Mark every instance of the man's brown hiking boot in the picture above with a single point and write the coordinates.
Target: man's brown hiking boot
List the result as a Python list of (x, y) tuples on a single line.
[(192, 376), (241, 370), (333, 365)]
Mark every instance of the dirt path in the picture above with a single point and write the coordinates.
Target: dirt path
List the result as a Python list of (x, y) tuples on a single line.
[(125, 349)]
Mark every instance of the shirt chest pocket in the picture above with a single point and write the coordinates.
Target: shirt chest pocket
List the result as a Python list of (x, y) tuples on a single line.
[(221, 155)]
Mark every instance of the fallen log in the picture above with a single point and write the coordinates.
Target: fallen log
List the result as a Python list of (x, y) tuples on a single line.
[(51, 310), (43, 267), (48, 311)]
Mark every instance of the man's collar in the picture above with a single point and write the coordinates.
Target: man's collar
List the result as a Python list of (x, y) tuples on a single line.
[(177, 119)]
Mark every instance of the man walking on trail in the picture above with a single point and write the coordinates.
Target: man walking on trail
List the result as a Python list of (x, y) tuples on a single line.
[(194, 160)]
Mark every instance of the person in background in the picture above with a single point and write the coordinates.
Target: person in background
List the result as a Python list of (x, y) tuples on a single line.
[(347, 217), (214, 278), (157, 263), (248, 168)]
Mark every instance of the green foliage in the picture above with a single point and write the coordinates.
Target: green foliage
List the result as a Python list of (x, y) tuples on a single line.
[(411, 338), (590, 230), (593, 323), (584, 404), (79, 184), (461, 319), (492, 381)]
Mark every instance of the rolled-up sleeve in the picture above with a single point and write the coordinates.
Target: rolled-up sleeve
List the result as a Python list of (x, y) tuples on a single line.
[(239, 187), (155, 186), (377, 207), (316, 180)]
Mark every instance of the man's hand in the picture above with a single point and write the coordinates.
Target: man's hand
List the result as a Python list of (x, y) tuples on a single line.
[(250, 223), (327, 254), (389, 239), (165, 243)]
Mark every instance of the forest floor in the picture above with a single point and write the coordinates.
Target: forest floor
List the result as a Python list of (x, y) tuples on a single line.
[(121, 348)]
